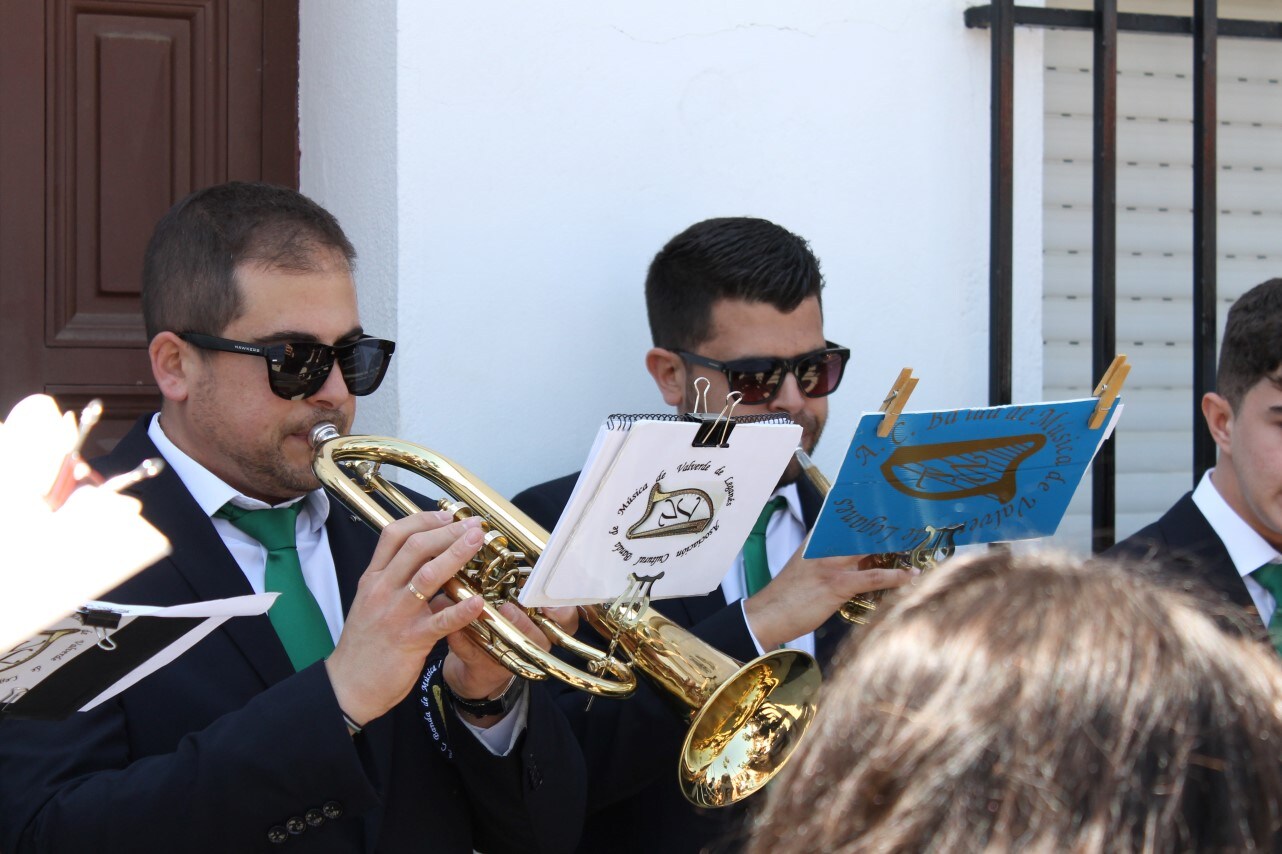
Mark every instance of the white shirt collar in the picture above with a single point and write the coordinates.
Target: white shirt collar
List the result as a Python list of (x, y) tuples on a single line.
[(789, 492), (1247, 549), (211, 492)]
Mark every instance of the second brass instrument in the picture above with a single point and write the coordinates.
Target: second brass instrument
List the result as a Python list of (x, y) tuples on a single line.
[(745, 720), (936, 547)]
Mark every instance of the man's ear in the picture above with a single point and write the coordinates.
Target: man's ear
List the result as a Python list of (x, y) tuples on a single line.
[(669, 372), (171, 365), (1219, 419)]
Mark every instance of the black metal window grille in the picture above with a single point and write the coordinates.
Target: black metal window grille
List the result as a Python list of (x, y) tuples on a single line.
[(1105, 22)]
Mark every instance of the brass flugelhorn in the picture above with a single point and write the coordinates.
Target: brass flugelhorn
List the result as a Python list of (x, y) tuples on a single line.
[(936, 547), (349, 467), (745, 720)]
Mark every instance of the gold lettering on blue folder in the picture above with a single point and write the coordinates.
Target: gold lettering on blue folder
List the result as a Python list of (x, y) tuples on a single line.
[(681, 511)]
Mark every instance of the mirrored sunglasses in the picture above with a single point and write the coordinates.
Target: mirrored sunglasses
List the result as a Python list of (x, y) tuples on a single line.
[(298, 370), (758, 378)]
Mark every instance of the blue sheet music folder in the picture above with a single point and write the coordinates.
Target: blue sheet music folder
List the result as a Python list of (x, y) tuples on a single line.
[(1002, 473)]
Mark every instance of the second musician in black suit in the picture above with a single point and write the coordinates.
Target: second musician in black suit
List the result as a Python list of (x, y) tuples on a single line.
[(735, 301)]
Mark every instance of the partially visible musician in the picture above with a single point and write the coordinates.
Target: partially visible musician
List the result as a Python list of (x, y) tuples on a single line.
[(736, 301), (1034, 702), (296, 731), (1227, 533)]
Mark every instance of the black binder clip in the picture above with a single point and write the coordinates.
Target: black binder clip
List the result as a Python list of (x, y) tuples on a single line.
[(714, 430), (103, 621)]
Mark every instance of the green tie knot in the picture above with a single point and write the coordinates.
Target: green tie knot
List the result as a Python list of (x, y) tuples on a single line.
[(273, 527)]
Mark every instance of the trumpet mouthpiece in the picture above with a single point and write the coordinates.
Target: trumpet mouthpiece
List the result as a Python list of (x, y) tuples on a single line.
[(322, 432)]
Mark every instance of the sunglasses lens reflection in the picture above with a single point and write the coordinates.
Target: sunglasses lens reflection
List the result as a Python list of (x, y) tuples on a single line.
[(758, 380), (299, 370), (363, 365), (819, 375)]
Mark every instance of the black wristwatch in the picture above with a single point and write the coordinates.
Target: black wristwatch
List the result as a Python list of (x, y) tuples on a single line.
[(500, 705)]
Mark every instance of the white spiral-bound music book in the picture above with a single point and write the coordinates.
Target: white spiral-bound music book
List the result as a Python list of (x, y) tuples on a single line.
[(661, 494)]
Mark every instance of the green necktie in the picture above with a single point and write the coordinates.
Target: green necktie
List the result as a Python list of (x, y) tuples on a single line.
[(1270, 578), (297, 618), (756, 569)]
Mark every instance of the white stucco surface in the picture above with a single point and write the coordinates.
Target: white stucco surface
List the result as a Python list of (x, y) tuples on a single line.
[(508, 170)]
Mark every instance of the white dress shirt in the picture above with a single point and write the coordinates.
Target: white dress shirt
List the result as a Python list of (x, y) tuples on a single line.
[(1247, 549), (784, 535), (314, 555)]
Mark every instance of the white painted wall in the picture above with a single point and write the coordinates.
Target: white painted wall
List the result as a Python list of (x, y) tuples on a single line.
[(508, 170), (347, 133)]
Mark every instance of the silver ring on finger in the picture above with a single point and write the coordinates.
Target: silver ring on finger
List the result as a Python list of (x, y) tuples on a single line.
[(411, 588)]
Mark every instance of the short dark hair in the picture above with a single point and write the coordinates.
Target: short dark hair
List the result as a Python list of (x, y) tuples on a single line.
[(189, 271), (1252, 347), (730, 257), (1038, 702)]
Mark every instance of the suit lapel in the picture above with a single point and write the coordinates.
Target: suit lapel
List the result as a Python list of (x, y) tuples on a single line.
[(351, 542), (811, 501), (1202, 551), (198, 555)]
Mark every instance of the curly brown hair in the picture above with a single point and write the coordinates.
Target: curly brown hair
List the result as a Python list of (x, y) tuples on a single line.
[(1039, 703)]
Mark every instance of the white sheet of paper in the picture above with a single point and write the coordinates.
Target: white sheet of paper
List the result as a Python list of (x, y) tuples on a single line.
[(40, 655), (648, 503)]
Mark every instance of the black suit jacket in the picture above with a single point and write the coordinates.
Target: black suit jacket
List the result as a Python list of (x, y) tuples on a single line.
[(214, 750), (1183, 545), (631, 746)]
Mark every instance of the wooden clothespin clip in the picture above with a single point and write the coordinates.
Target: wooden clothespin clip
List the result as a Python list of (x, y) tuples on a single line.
[(1108, 389), (895, 401)]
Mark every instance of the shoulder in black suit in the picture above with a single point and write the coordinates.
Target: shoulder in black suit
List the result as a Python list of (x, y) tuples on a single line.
[(631, 746), (1182, 544), (215, 750)]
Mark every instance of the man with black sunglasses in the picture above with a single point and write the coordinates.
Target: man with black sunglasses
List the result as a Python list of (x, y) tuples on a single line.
[(736, 301), (298, 728)]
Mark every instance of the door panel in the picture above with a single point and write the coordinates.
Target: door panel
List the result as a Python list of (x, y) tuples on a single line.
[(111, 112)]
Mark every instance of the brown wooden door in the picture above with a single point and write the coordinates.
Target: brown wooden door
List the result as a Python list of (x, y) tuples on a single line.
[(109, 113)]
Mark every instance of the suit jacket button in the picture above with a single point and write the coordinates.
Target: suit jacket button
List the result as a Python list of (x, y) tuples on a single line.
[(314, 817), (277, 835), (295, 824), (332, 810)]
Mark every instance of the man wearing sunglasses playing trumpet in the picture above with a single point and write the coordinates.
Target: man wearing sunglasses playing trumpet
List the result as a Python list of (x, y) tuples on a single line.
[(298, 728), (736, 301)]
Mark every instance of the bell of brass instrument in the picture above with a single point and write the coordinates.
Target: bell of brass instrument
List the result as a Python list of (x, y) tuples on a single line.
[(936, 547), (745, 720)]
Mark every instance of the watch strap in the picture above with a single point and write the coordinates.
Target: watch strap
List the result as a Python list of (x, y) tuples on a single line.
[(500, 705)]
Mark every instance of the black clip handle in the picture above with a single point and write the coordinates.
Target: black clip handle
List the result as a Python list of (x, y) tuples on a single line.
[(714, 430), (99, 618)]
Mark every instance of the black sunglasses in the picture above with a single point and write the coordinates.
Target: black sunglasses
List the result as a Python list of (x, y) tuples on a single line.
[(758, 378), (298, 370)]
